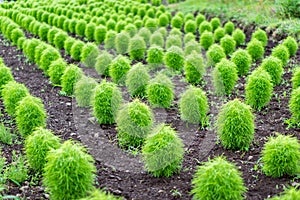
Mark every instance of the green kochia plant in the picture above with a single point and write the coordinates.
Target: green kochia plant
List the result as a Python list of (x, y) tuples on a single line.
[(224, 77), (242, 60), (89, 54), (37, 146), (137, 80), (109, 41), (56, 70), (30, 114), (83, 91), (215, 23), (160, 91), (281, 156), (281, 52), (157, 39), (80, 27), (192, 46), (5, 75), (290, 193), (12, 93), (255, 49), (239, 36), (193, 106), (219, 33), (274, 67), (68, 45), (118, 69), (189, 37), (137, 48), (291, 44), (29, 48), (100, 33), (260, 35), (134, 123), (106, 101), (59, 39), (50, 54), (258, 89), (218, 179), (68, 80), (194, 68), (122, 42), (296, 78), (177, 22), (206, 39), (90, 31), (190, 26), (69, 172), (235, 125), (229, 27), (173, 40), (102, 63), (205, 26), (145, 34), (228, 44), (163, 151), (174, 58), (155, 56), (215, 54), (294, 104)]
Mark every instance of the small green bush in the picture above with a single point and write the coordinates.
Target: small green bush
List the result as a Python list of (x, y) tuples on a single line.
[(291, 44), (219, 33), (72, 25), (163, 152), (89, 31), (29, 49), (224, 77), (281, 156), (20, 43), (38, 52), (52, 32), (206, 39), (68, 80), (229, 27), (12, 94), (187, 17), (15, 35), (192, 46), (30, 114), (175, 32), (118, 69), (120, 26), (43, 32), (151, 24), (80, 27), (89, 54), (83, 91), (239, 36), (205, 26), (59, 39), (137, 80), (109, 41), (106, 100), (69, 172), (163, 20), (193, 106), (294, 104), (189, 37), (194, 68), (50, 54), (173, 40), (274, 67), (5, 76), (258, 89), (157, 39), (215, 23), (155, 56), (215, 54), (177, 22), (228, 44), (255, 49), (56, 70), (199, 19), (102, 63), (137, 48), (145, 34), (174, 58), (235, 125), (163, 31), (76, 50), (261, 36), (190, 26), (134, 123), (130, 29), (100, 33), (160, 91), (281, 52), (218, 179), (68, 45), (296, 78), (122, 42), (37, 146), (242, 60)]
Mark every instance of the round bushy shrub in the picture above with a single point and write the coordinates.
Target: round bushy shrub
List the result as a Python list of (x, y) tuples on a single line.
[(281, 156), (76, 50), (5, 76), (215, 54), (134, 123), (274, 67), (157, 39), (155, 56), (37, 146), (12, 94), (145, 34), (106, 101), (43, 32), (174, 58), (69, 172), (66, 25), (120, 26), (109, 41), (15, 35), (160, 91), (137, 48), (255, 49), (20, 43), (176, 32), (51, 34), (235, 125), (294, 104), (258, 89), (239, 36), (122, 42), (100, 33), (228, 44), (68, 80), (261, 36), (151, 24), (215, 23), (56, 70), (29, 49), (187, 17), (177, 22), (291, 44), (59, 39), (72, 25), (193, 106), (137, 80), (206, 39), (190, 26), (118, 69), (224, 77), (38, 52), (192, 46), (50, 54), (219, 33), (173, 40), (102, 63), (89, 31), (242, 60), (163, 152), (89, 54), (80, 28), (163, 31), (68, 45), (281, 52), (205, 26), (189, 37), (163, 20), (194, 68), (130, 29), (296, 78), (30, 114), (229, 27), (83, 91), (218, 179), (199, 19)]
